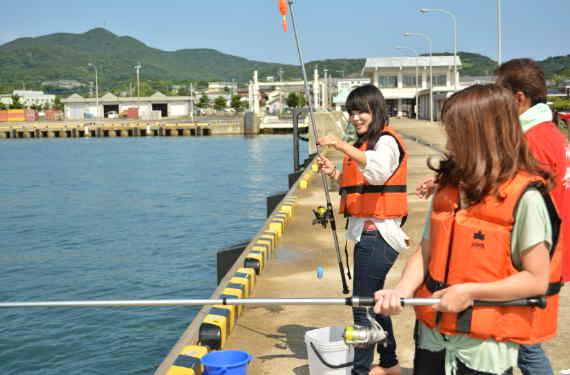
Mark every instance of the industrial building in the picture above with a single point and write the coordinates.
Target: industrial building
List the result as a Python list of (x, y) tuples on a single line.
[(404, 81), (152, 107)]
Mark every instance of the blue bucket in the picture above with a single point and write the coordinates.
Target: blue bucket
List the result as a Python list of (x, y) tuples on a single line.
[(225, 362)]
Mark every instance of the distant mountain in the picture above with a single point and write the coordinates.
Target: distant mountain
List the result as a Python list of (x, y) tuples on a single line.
[(65, 56)]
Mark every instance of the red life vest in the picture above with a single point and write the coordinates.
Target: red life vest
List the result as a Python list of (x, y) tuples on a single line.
[(361, 199), (549, 147), (474, 245)]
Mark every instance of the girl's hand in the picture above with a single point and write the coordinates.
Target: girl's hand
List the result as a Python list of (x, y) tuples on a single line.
[(426, 187), (454, 299), (329, 140), (388, 301), (326, 165)]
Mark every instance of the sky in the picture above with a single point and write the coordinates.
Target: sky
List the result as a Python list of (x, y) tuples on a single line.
[(327, 29)]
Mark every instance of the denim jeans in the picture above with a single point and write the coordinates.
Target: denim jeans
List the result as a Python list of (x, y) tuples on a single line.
[(433, 363), (373, 258), (533, 361)]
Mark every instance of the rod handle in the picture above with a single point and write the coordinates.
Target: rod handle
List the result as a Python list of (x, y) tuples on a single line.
[(539, 302)]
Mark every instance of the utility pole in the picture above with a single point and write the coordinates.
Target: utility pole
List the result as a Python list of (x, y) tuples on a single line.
[(96, 89), (191, 103), (280, 90), (138, 69)]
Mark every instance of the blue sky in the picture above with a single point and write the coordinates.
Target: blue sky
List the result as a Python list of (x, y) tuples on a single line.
[(328, 29)]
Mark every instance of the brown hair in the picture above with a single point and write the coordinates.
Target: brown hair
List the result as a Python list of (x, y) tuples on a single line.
[(523, 75), (485, 143)]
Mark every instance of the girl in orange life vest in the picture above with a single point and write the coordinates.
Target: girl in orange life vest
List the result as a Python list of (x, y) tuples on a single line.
[(489, 237), (373, 188), (525, 80)]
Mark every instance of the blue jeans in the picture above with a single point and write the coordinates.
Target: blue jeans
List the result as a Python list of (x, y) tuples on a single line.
[(533, 360), (373, 258)]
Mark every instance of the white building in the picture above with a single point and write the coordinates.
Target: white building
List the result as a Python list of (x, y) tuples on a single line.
[(344, 87), (29, 98), (155, 106), (223, 86), (407, 95)]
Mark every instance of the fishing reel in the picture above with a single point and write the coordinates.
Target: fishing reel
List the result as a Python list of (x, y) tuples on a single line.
[(362, 336), (322, 216)]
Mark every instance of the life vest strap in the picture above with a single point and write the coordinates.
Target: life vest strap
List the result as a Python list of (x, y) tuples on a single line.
[(433, 285), (363, 189), (554, 288)]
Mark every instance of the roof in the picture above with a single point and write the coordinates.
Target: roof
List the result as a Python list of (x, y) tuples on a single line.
[(110, 98), (373, 63)]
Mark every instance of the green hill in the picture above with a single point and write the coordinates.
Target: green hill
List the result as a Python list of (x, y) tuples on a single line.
[(65, 56)]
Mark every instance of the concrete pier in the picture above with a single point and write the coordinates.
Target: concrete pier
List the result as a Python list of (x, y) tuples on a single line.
[(274, 335), (118, 129)]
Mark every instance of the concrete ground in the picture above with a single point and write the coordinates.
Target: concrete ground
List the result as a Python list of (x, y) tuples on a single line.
[(274, 335)]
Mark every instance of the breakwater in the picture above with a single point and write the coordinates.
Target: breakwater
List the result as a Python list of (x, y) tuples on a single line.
[(119, 129)]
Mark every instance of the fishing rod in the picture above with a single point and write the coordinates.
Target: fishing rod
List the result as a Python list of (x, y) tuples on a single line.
[(358, 336), (330, 214), (353, 301)]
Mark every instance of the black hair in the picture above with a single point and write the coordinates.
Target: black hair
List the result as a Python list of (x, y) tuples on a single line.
[(369, 99)]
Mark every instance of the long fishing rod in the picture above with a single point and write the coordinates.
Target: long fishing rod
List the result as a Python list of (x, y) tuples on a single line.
[(353, 301), (330, 213), (357, 336)]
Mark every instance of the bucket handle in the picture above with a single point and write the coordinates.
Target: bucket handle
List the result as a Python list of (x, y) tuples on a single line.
[(329, 365)]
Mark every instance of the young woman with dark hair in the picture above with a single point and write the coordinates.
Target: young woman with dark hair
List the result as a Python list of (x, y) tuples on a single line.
[(492, 235), (373, 198)]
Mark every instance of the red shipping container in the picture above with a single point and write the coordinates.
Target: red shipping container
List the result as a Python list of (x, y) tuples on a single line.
[(53, 115), (31, 115), (133, 112)]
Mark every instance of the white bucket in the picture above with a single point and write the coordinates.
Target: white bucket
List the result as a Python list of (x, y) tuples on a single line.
[(332, 349)]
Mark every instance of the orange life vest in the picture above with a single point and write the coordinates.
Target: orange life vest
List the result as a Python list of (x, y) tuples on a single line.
[(361, 199), (474, 245)]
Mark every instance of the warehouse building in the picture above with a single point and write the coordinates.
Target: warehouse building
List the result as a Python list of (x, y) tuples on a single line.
[(152, 107)]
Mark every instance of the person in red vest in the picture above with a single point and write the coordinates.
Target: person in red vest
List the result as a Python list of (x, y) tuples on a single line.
[(492, 235), (525, 79), (374, 199)]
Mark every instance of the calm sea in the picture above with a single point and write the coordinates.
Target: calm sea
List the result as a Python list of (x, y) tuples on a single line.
[(133, 218)]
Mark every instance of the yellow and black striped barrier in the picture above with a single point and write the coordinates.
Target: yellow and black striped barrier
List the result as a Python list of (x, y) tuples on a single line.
[(188, 361)]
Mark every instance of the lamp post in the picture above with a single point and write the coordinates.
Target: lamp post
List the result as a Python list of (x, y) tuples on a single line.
[(444, 11), (138, 69), (426, 37), (401, 48), (499, 35), (96, 90)]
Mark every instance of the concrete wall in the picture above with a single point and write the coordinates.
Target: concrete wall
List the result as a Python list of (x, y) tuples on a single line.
[(326, 123), (178, 109)]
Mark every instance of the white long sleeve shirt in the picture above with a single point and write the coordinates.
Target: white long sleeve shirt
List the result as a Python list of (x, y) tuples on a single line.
[(380, 165)]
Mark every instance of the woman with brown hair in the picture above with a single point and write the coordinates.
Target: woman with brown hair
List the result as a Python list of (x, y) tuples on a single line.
[(491, 236)]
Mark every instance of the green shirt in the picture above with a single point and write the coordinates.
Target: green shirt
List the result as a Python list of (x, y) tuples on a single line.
[(532, 226)]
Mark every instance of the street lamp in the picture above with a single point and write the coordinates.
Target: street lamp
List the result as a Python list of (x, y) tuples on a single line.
[(401, 48), (96, 89), (499, 35), (138, 69), (444, 11), (426, 37)]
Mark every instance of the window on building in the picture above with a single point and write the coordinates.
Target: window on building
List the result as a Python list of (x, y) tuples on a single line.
[(440, 80), (409, 80), (388, 81)]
